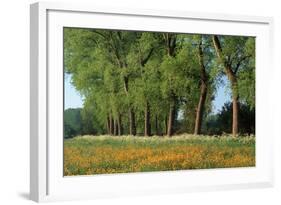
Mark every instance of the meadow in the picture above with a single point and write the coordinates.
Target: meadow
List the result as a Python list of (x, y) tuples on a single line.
[(88, 155)]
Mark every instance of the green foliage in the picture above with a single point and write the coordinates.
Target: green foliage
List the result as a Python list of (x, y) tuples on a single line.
[(221, 123), (247, 79), (239, 54), (121, 71), (72, 122)]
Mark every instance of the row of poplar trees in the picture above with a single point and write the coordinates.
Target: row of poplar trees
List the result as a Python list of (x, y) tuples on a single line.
[(145, 82)]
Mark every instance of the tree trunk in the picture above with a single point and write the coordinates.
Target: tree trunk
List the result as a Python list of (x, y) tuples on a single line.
[(115, 128), (119, 125), (170, 40), (108, 125), (171, 121), (132, 120), (203, 92), (235, 101), (235, 108), (156, 126), (147, 125), (234, 86), (200, 109), (166, 125), (111, 125)]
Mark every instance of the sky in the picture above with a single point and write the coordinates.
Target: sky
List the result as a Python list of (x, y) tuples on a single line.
[(72, 98), (222, 96)]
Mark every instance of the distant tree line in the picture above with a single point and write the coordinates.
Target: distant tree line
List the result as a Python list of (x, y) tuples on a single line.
[(213, 124), (72, 122), (150, 83)]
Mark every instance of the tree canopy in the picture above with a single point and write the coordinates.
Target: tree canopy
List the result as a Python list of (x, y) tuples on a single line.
[(145, 83)]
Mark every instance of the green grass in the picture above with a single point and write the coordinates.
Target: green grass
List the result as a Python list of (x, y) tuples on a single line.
[(113, 154)]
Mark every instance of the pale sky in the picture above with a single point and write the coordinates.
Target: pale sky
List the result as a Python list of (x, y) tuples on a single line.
[(72, 98)]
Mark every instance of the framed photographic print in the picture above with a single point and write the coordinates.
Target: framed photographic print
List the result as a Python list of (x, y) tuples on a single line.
[(129, 102)]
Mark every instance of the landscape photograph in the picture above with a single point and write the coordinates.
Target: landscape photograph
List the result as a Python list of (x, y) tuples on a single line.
[(139, 101)]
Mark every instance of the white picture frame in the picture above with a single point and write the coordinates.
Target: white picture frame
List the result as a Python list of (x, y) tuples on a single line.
[(46, 88)]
